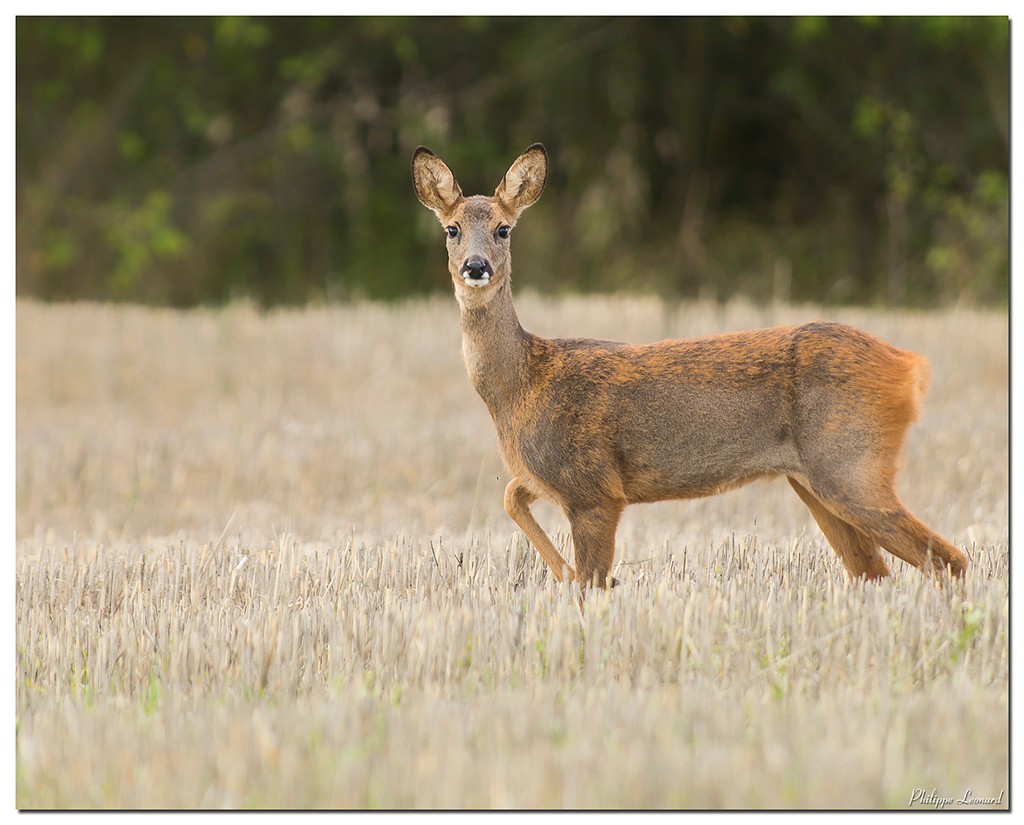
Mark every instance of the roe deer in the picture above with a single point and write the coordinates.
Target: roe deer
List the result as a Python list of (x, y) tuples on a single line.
[(596, 425)]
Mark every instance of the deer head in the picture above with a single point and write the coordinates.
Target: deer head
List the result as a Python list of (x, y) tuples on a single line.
[(478, 227)]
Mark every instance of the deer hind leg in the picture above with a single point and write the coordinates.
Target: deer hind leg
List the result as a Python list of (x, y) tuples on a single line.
[(858, 551), (593, 538), (518, 499), (876, 511), (903, 535)]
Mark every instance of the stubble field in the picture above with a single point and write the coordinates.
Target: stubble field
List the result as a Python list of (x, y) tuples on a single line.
[(262, 562)]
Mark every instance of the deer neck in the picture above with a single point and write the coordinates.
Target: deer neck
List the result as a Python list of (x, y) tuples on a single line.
[(494, 347)]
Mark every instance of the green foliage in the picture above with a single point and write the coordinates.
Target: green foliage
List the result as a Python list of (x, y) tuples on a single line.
[(139, 237), (151, 695), (973, 623), (190, 160)]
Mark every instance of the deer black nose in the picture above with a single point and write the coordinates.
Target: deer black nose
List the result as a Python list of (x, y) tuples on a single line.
[(475, 267)]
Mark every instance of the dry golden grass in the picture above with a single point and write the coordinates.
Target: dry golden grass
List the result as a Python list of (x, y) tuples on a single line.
[(262, 562)]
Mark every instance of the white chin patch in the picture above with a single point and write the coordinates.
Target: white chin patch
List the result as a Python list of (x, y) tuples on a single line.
[(484, 281)]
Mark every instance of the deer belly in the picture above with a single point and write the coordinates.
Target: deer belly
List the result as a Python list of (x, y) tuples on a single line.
[(649, 456), (695, 454)]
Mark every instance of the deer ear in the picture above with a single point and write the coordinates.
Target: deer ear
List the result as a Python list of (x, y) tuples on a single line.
[(435, 184), (524, 180)]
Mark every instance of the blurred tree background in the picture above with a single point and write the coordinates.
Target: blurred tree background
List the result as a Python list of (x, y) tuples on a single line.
[(193, 160)]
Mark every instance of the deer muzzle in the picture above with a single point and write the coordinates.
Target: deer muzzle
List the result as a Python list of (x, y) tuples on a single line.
[(476, 272)]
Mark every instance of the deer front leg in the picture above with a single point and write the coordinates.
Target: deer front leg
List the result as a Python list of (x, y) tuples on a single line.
[(518, 499), (593, 538)]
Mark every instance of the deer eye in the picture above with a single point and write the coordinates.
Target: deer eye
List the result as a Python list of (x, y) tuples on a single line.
[(452, 231), (503, 231)]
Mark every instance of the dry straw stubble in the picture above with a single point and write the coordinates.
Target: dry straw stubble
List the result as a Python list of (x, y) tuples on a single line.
[(370, 631)]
